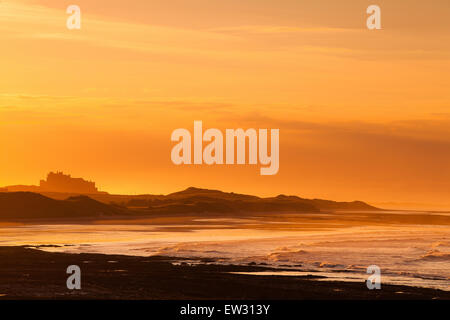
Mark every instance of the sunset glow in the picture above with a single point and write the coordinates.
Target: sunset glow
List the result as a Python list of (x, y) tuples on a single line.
[(362, 114)]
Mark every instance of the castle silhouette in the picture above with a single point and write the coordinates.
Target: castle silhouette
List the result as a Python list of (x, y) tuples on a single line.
[(58, 181)]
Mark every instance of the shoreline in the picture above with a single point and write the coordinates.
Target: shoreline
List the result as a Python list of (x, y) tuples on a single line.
[(27, 273)]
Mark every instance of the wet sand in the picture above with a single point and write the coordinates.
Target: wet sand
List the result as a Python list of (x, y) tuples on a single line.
[(27, 273)]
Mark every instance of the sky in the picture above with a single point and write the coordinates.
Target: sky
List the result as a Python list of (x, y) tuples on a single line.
[(363, 114)]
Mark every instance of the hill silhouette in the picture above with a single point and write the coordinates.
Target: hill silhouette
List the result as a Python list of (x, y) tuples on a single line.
[(60, 186), (26, 205), (196, 200)]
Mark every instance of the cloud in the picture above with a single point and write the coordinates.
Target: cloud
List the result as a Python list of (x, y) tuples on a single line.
[(23, 21), (419, 130), (276, 30)]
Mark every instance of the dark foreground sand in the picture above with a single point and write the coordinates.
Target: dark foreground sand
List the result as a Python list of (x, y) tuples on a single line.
[(32, 274)]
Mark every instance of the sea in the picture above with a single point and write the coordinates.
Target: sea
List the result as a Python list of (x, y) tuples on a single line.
[(335, 246)]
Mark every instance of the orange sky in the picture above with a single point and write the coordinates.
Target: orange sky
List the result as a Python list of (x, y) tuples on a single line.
[(362, 114)]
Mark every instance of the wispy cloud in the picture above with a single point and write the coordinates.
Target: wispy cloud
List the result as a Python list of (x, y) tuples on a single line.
[(274, 30), (271, 42)]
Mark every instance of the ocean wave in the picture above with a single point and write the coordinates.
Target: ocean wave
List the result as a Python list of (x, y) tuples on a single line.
[(435, 255), (175, 249), (439, 244), (290, 256), (354, 267), (325, 264)]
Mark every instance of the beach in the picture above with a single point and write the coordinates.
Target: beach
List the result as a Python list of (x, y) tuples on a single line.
[(28, 273), (288, 256)]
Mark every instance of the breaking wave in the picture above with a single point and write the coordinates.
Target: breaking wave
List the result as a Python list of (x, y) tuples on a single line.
[(436, 255)]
